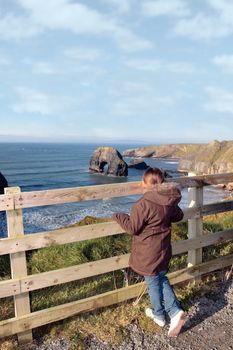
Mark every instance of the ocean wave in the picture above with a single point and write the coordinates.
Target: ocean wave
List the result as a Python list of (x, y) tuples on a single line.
[(51, 218), (58, 216)]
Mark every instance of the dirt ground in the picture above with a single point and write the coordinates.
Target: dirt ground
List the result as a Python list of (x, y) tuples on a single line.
[(209, 327)]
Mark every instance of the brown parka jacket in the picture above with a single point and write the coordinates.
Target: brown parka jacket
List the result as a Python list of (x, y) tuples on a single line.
[(150, 225)]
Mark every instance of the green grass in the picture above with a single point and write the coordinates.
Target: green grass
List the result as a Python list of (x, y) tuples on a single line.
[(109, 323)]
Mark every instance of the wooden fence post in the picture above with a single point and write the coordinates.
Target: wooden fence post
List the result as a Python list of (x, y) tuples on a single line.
[(18, 264), (195, 226)]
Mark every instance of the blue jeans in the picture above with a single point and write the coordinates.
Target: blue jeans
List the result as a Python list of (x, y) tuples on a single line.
[(162, 296)]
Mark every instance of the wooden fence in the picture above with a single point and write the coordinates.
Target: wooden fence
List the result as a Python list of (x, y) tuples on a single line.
[(17, 243)]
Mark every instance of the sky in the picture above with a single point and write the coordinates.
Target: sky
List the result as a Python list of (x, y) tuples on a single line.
[(145, 71)]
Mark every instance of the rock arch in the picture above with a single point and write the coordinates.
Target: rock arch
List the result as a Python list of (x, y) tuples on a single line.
[(108, 161)]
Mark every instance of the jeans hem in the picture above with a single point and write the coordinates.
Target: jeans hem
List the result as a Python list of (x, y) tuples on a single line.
[(175, 313), (158, 317)]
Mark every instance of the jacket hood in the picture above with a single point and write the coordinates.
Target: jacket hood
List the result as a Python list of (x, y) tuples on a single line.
[(167, 193)]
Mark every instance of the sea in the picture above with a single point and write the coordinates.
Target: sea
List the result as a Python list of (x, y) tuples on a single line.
[(41, 166)]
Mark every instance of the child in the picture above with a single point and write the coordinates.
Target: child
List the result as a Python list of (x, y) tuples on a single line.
[(150, 225)]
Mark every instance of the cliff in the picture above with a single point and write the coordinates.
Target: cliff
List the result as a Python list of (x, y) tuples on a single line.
[(212, 158), (140, 152), (176, 151), (215, 157)]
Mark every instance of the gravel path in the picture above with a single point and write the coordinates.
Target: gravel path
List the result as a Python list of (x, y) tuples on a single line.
[(209, 327)]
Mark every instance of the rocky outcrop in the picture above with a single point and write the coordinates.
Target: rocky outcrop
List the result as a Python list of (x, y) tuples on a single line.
[(175, 151), (216, 157), (140, 152), (108, 161), (3, 183), (171, 151), (137, 164)]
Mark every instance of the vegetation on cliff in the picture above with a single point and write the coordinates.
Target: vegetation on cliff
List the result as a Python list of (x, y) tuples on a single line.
[(216, 157), (163, 151), (212, 158)]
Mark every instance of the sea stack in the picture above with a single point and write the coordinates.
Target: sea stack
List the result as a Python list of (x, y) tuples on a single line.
[(108, 161)]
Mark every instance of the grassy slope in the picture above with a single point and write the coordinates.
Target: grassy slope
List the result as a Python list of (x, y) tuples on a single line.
[(168, 150), (213, 152), (108, 324)]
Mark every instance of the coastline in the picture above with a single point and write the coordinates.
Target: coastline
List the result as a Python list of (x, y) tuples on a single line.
[(36, 167)]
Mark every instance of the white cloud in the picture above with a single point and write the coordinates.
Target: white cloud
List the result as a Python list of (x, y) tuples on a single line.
[(69, 16), (130, 42), (44, 68), (173, 8), (131, 88), (214, 21), (84, 54), (30, 129), (15, 27), (202, 27), (103, 132), (180, 67), (205, 26), (82, 62), (122, 6), (33, 101), (64, 14), (225, 9), (115, 134), (153, 65), (144, 64), (133, 99), (4, 60), (140, 104), (225, 62), (220, 100)]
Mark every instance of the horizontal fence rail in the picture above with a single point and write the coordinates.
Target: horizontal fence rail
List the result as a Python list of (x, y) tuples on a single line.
[(17, 243), (69, 195), (83, 233), (90, 269), (57, 313), (6, 202)]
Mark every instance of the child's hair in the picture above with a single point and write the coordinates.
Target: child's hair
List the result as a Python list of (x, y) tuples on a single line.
[(153, 176)]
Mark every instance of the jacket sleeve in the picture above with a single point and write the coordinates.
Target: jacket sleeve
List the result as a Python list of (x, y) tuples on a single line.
[(133, 224), (177, 214)]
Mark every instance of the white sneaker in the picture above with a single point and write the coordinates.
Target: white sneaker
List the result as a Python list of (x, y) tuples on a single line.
[(149, 313), (176, 324)]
